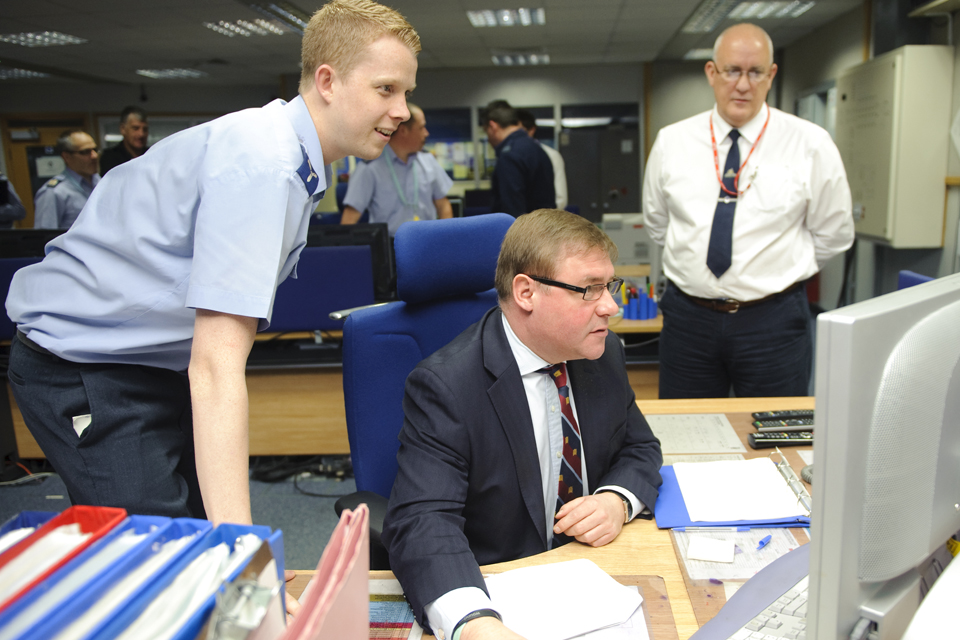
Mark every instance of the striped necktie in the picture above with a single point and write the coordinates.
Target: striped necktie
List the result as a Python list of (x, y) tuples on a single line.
[(571, 483)]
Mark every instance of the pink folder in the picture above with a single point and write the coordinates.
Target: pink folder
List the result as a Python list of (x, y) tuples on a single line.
[(336, 603)]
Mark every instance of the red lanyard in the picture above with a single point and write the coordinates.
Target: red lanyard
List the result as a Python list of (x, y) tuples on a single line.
[(716, 159)]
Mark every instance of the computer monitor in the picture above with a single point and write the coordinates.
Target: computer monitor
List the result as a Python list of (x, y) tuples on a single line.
[(886, 456), (376, 236), (26, 243)]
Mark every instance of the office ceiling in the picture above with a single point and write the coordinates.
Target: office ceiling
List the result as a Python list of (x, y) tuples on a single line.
[(126, 35)]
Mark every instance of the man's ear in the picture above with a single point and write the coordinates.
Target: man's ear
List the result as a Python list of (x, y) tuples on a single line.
[(523, 291), (323, 79)]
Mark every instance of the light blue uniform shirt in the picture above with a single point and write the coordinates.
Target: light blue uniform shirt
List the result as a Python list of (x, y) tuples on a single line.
[(372, 188), (213, 217), (61, 198)]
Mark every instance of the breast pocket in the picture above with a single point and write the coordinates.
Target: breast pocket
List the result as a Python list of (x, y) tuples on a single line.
[(778, 189)]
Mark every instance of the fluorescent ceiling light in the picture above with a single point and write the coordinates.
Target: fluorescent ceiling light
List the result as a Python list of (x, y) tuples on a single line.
[(576, 123), (41, 39), (170, 74), (708, 15), (20, 74), (520, 59), (698, 54), (288, 15), (761, 10), (507, 17)]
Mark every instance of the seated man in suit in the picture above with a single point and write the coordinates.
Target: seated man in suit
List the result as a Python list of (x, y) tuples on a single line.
[(521, 434)]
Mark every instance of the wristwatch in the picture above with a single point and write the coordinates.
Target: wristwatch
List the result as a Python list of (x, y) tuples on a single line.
[(627, 507)]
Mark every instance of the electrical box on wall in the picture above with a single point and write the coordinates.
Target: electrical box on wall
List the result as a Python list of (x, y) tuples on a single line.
[(893, 122)]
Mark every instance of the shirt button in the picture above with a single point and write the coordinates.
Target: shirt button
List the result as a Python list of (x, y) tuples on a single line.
[(553, 408), (559, 455)]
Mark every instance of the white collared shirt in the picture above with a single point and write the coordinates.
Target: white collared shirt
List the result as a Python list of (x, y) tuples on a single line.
[(447, 610), (795, 215)]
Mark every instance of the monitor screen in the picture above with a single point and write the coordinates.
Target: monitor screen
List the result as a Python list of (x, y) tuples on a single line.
[(375, 236), (886, 456), (26, 243)]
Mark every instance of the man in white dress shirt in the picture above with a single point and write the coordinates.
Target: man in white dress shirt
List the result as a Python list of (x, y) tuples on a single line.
[(749, 203)]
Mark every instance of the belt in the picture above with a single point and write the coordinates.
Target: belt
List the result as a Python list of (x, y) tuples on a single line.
[(729, 305), (27, 342)]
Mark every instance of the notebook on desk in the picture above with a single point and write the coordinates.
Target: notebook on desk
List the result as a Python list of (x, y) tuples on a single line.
[(671, 509)]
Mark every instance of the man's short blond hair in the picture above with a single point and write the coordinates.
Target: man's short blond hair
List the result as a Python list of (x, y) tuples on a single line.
[(536, 242), (341, 30)]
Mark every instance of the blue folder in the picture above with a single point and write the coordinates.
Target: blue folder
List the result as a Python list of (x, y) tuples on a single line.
[(671, 511)]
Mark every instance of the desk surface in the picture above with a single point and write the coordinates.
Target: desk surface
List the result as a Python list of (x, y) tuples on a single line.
[(641, 549)]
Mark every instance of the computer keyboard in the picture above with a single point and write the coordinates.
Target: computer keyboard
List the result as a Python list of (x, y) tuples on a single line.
[(785, 618)]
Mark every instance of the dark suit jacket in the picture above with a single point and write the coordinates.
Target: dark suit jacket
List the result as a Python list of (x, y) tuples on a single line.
[(468, 491), (522, 181)]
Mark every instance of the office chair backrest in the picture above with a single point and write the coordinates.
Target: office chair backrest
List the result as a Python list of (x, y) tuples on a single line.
[(910, 279), (445, 271), (8, 267), (328, 279)]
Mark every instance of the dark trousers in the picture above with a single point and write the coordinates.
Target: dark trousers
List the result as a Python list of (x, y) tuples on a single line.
[(137, 452), (761, 351)]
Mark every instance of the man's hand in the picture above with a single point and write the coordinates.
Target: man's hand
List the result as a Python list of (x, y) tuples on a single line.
[(594, 520), (487, 628), (293, 605)]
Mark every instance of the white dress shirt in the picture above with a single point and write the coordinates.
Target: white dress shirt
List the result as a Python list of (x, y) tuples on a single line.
[(543, 399), (795, 215), (559, 175)]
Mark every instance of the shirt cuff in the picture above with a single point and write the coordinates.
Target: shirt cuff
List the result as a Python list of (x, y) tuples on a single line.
[(635, 505), (446, 611)]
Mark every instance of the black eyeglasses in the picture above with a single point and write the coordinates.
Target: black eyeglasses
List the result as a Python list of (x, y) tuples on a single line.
[(85, 152), (590, 293)]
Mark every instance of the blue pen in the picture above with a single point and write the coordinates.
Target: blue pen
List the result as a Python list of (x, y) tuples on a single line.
[(711, 528), (764, 541)]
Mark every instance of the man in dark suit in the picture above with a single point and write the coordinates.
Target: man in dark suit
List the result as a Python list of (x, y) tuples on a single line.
[(500, 459)]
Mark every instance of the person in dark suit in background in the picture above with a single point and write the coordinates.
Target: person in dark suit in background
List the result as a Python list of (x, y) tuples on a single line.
[(135, 131), (522, 180), (523, 433)]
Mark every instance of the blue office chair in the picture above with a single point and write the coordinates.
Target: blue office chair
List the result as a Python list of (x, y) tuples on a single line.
[(445, 272), (910, 279)]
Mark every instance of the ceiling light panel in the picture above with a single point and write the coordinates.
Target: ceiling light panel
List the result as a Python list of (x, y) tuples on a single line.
[(20, 74), (708, 15), (41, 39), (284, 14), (507, 17), (520, 59), (698, 54), (762, 10), (170, 74)]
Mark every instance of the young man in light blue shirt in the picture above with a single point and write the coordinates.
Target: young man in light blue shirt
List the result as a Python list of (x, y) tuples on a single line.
[(172, 269)]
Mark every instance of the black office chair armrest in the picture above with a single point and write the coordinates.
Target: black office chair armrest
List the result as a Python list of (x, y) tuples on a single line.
[(377, 504)]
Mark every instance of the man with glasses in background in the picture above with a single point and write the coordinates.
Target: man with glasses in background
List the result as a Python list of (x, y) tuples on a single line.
[(749, 203), (59, 201), (523, 433)]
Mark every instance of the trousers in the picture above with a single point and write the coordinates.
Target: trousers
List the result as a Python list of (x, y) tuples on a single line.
[(119, 435), (760, 351)]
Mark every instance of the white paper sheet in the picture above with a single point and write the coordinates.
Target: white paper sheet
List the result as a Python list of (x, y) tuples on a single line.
[(633, 629), (736, 490), (695, 433), (562, 600), (38, 558), (710, 549), (14, 536), (747, 560)]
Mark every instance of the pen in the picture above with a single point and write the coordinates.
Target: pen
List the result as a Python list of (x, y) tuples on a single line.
[(764, 541), (711, 528)]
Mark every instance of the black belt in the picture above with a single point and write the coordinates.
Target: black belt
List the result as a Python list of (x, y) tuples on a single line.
[(729, 305), (27, 342)]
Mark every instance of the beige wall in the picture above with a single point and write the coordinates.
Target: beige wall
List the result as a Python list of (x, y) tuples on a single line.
[(678, 90), (819, 57)]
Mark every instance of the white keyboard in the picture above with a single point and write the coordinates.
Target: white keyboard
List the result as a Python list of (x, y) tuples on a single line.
[(785, 618)]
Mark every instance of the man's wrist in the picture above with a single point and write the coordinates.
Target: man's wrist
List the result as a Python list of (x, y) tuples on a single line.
[(627, 508), (474, 615)]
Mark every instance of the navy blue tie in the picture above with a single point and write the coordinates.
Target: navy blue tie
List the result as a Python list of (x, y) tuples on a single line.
[(721, 235)]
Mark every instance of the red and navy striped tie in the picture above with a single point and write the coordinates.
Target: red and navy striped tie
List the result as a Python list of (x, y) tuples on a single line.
[(571, 483)]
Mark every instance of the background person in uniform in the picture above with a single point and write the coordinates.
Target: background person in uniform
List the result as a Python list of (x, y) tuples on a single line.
[(173, 268), (529, 123), (403, 184), (59, 201), (521, 434), (749, 202), (522, 180), (11, 209), (135, 131)]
